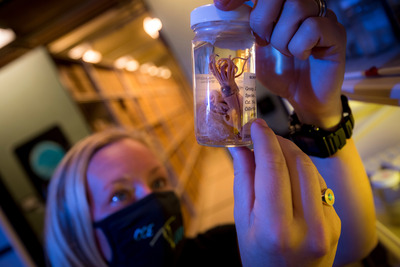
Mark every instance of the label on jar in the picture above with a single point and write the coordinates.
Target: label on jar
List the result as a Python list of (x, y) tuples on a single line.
[(249, 96), (247, 86)]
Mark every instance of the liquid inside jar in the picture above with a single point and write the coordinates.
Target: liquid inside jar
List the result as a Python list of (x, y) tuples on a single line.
[(224, 88)]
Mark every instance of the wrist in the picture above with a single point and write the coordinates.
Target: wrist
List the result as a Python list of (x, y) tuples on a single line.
[(327, 117)]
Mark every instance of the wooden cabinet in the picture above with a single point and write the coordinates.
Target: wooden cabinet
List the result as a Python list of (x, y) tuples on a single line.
[(160, 107)]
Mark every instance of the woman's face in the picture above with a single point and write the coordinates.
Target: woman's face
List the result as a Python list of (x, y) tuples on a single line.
[(119, 175)]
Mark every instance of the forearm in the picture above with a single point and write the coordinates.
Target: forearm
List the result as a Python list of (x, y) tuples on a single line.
[(344, 173)]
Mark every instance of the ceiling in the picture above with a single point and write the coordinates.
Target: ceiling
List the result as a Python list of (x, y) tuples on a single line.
[(112, 27)]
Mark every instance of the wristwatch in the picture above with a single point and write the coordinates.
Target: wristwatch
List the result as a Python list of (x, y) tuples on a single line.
[(315, 141)]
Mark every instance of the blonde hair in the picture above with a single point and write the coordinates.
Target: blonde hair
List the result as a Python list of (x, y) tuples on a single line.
[(69, 235)]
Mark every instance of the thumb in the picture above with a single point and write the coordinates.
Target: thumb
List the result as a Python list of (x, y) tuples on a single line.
[(228, 4), (243, 186)]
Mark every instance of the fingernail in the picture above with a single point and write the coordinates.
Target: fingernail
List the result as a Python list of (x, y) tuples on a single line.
[(261, 122), (221, 3), (260, 41), (268, 32)]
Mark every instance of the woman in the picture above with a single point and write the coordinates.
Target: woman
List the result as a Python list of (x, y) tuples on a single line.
[(111, 204)]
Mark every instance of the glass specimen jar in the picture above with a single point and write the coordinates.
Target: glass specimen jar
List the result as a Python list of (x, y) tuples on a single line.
[(224, 76)]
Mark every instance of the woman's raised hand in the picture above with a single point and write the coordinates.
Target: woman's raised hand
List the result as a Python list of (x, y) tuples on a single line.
[(300, 56), (279, 214)]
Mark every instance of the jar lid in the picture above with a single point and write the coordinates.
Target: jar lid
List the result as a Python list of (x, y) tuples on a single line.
[(210, 12)]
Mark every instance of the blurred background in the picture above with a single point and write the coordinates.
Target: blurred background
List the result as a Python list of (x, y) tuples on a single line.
[(70, 68)]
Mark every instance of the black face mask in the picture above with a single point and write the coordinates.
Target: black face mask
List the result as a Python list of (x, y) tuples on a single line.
[(147, 233)]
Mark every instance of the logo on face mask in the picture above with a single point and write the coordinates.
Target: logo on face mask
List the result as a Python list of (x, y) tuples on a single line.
[(143, 232), (166, 232)]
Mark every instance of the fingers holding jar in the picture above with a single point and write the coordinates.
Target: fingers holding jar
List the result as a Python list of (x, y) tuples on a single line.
[(277, 22)]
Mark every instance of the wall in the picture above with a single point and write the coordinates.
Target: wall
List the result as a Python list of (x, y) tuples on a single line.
[(31, 100)]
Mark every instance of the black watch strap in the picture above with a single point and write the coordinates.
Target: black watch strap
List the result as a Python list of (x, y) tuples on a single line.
[(318, 142)]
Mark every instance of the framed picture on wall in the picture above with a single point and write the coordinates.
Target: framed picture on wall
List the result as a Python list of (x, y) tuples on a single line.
[(40, 155)]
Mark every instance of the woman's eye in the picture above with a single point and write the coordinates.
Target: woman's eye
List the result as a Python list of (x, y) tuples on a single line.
[(159, 183), (120, 196)]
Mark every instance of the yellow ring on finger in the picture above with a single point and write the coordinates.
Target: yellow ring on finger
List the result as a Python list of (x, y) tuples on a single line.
[(328, 197)]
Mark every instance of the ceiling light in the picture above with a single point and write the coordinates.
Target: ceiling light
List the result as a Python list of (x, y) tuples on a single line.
[(164, 72), (126, 62), (6, 36), (78, 51), (144, 68), (152, 71), (132, 65), (152, 26), (92, 56), (121, 62)]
